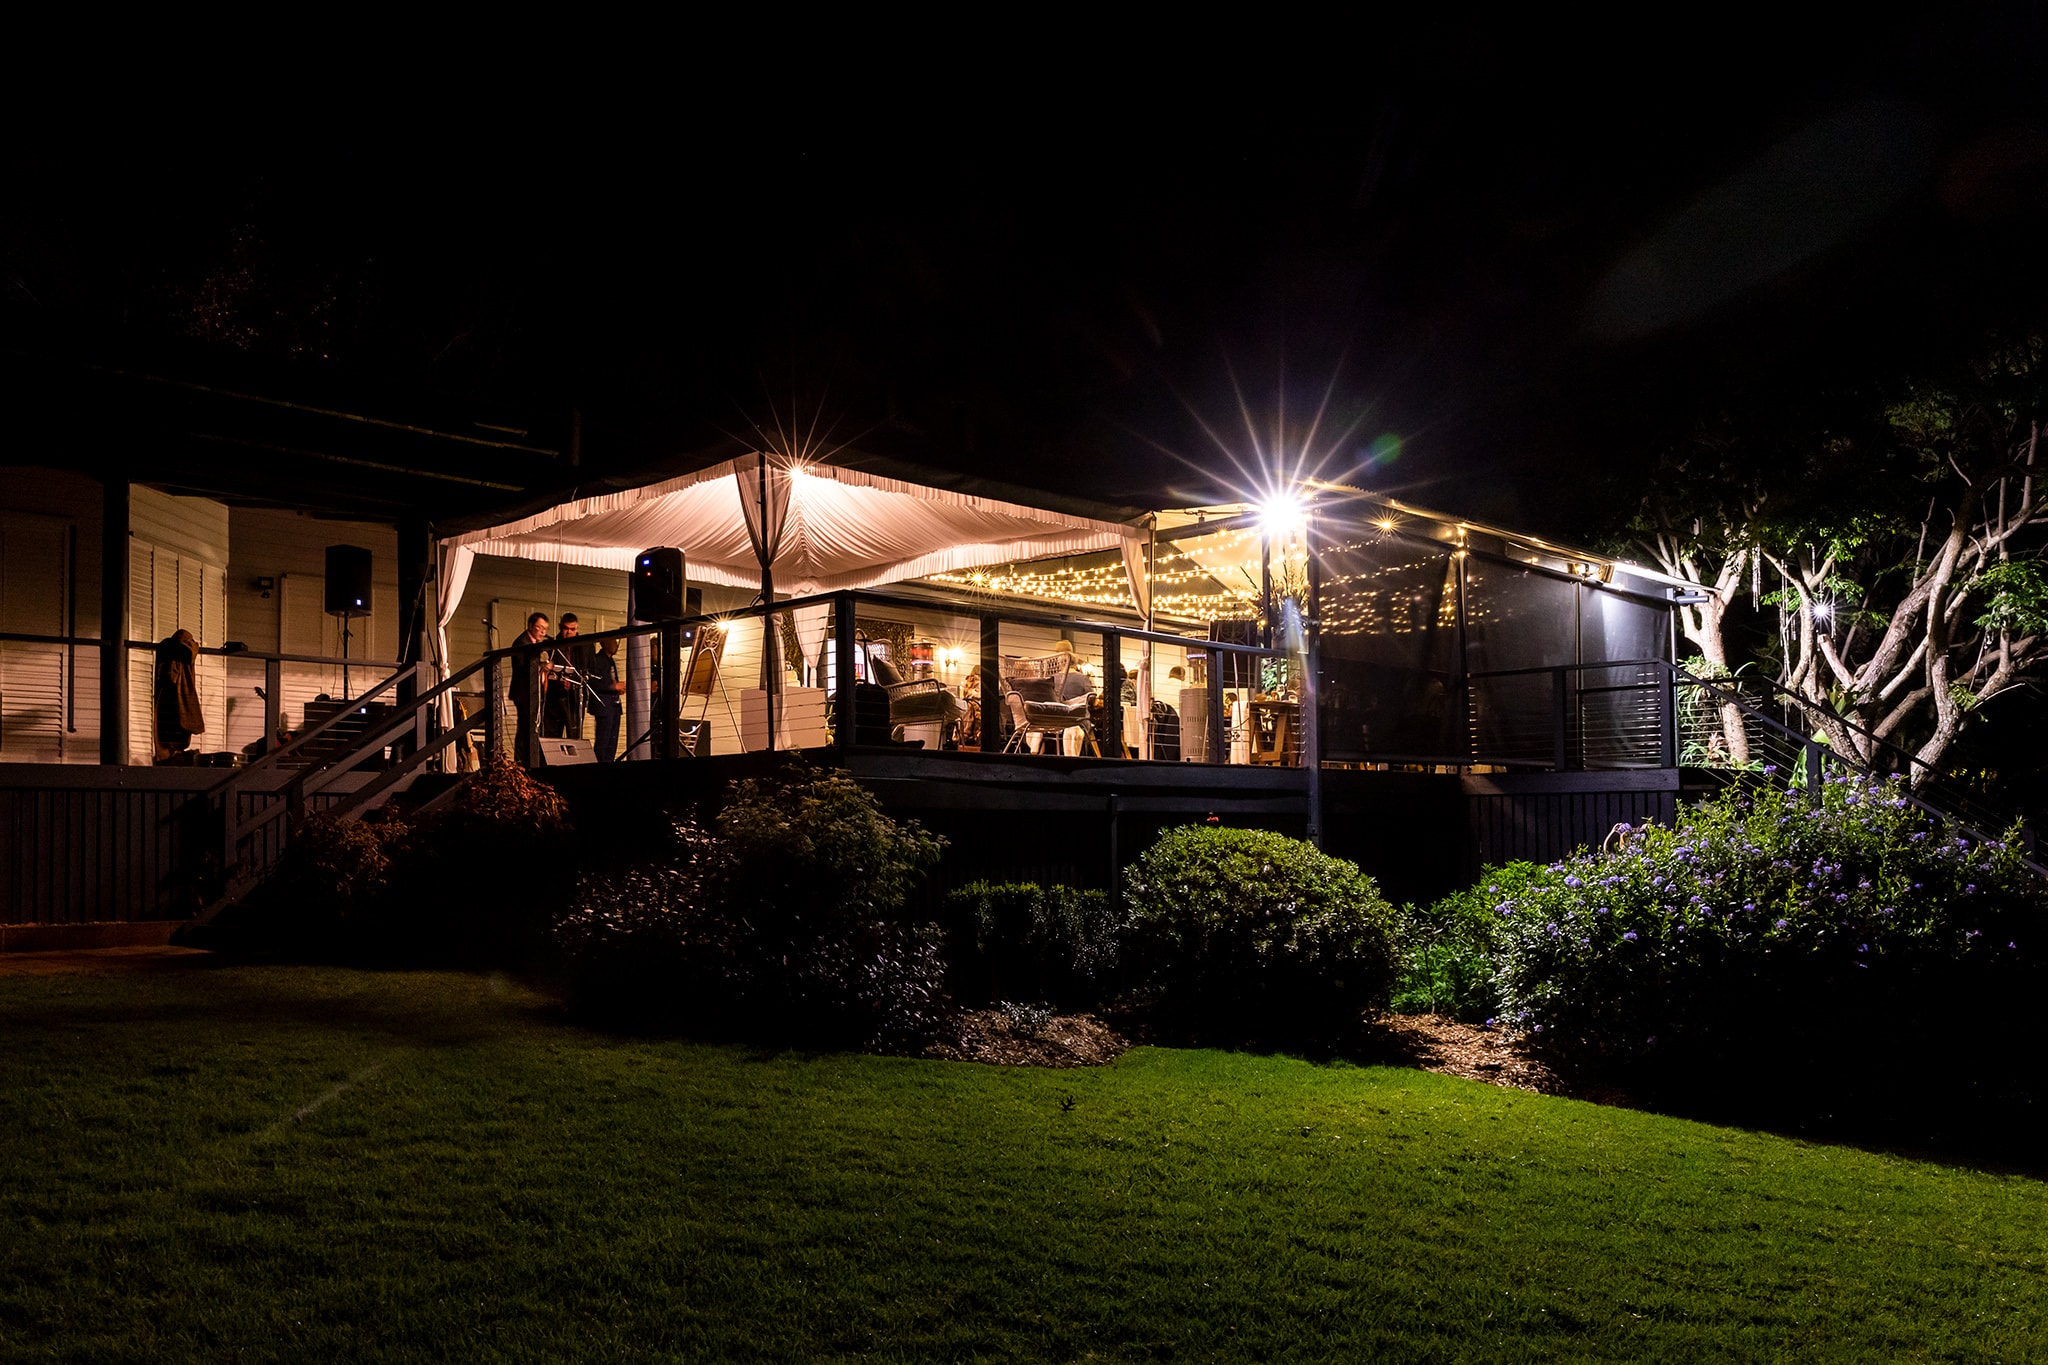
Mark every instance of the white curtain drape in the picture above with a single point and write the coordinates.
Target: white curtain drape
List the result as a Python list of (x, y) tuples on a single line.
[(811, 625), (1141, 593), (451, 575), (764, 501)]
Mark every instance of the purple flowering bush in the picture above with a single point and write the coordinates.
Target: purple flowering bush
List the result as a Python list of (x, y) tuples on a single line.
[(1763, 933)]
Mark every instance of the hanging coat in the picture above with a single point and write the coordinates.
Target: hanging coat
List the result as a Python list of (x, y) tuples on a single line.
[(178, 716)]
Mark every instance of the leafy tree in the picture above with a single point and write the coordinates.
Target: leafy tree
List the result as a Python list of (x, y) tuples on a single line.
[(1895, 537)]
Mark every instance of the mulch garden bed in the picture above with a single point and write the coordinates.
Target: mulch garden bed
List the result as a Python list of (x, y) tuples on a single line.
[(1429, 1041), (1436, 1043), (1063, 1040)]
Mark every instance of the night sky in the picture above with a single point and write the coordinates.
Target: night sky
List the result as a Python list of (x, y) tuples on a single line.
[(1509, 264)]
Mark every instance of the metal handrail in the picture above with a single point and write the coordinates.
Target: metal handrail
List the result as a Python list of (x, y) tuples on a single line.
[(1817, 755), (94, 642)]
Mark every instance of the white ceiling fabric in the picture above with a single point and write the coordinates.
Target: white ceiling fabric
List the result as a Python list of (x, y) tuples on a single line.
[(845, 529)]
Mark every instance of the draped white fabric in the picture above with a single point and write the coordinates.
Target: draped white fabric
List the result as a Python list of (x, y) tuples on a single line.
[(812, 624), (842, 529), (451, 576)]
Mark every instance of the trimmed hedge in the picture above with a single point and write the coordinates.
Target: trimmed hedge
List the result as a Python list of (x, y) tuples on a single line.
[(1022, 941), (1248, 935)]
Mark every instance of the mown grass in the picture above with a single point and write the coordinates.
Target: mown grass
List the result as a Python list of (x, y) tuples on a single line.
[(484, 1181)]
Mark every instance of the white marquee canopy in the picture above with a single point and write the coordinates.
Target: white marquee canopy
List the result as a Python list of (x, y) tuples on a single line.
[(819, 527)]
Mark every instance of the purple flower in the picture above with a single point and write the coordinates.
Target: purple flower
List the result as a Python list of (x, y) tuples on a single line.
[(1553, 930), (1537, 1029), (1781, 924), (1970, 890), (1863, 947), (1749, 905), (1770, 769), (1572, 881), (1601, 911), (1629, 937)]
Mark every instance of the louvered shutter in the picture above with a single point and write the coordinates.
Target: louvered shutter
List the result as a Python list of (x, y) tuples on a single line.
[(32, 600)]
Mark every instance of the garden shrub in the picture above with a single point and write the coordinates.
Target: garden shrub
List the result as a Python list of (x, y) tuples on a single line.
[(1025, 941), (1788, 948), (1249, 935), (473, 885), (481, 881), (787, 925), (1445, 951), (643, 946), (327, 892)]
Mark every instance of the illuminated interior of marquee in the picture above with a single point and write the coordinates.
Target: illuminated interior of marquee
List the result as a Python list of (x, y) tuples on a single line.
[(1205, 578)]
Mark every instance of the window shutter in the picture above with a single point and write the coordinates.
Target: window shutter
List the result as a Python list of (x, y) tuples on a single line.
[(32, 589)]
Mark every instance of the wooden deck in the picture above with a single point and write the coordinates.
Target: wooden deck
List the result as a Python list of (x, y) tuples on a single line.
[(84, 845)]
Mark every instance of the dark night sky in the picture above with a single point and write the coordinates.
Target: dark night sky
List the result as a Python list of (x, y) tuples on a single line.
[(1532, 256)]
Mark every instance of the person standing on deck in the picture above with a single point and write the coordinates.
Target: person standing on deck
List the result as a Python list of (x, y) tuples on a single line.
[(524, 661), (562, 714), (607, 694)]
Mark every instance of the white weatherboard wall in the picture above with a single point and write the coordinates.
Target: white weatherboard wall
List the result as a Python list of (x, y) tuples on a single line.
[(49, 585), (290, 548), (177, 580)]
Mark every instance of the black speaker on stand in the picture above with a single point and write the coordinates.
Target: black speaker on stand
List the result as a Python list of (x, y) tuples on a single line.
[(347, 595)]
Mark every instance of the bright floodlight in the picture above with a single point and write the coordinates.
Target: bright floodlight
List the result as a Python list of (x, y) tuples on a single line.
[(1282, 514), (1823, 612)]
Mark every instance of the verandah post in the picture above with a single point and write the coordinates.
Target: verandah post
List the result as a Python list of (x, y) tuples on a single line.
[(1309, 726), (991, 685), (114, 617), (842, 670), (1112, 694)]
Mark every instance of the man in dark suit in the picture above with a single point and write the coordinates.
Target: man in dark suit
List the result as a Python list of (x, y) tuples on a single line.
[(524, 661)]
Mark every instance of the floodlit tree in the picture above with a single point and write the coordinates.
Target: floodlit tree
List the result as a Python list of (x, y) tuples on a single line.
[(1901, 549)]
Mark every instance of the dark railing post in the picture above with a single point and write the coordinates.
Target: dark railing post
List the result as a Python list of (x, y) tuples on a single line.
[(1667, 716), (1112, 694), (1813, 773), (536, 698), (1560, 710), (842, 669), (991, 685), (668, 696), (114, 618), (423, 682), (1219, 742), (494, 706), (273, 702)]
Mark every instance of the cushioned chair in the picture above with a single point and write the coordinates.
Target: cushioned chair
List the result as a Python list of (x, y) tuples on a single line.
[(1035, 708), (924, 701)]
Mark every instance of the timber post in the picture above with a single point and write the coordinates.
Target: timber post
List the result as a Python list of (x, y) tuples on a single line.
[(114, 617)]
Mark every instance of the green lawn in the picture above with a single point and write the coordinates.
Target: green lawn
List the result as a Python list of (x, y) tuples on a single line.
[(476, 1179)]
